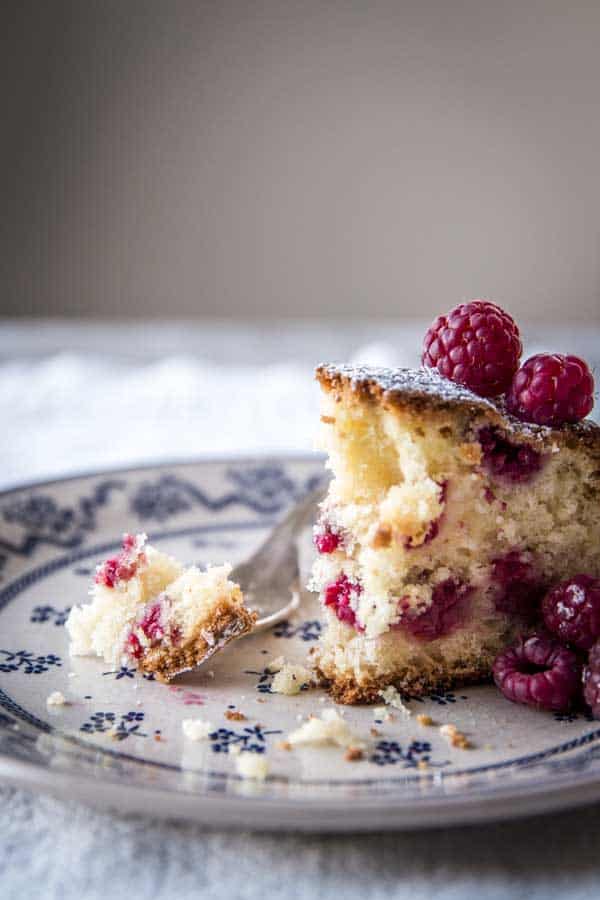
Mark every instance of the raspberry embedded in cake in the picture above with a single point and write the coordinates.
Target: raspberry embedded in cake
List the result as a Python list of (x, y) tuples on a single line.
[(445, 612), (147, 609), (326, 539), (505, 459), (456, 519), (519, 588), (342, 596)]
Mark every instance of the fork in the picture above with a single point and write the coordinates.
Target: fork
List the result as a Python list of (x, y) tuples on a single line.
[(272, 573)]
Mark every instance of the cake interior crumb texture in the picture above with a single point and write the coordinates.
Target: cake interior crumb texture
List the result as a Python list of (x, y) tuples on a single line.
[(147, 609), (450, 518)]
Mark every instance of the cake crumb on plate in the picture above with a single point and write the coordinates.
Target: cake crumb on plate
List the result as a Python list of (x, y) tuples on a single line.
[(252, 765), (56, 699), (392, 697), (290, 679), (425, 720), (329, 729), (196, 729), (353, 754)]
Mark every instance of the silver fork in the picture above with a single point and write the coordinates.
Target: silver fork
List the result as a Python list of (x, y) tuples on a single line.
[(270, 578)]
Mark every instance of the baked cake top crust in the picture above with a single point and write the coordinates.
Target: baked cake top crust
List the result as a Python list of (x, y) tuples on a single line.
[(423, 389)]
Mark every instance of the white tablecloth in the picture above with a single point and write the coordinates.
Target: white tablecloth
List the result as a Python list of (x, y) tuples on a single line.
[(76, 398)]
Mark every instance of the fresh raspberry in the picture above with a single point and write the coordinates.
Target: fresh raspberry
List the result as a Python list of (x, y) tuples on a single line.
[(339, 594), (551, 389), (327, 540), (476, 344), (518, 590), (591, 681), (516, 463), (539, 671), (447, 609), (571, 611)]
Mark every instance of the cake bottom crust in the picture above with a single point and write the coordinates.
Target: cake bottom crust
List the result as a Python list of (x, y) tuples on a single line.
[(347, 689), (228, 621)]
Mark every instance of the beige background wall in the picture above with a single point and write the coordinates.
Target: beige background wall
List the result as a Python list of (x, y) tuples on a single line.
[(299, 158)]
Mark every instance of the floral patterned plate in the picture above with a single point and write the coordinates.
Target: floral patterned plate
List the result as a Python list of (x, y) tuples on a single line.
[(119, 742)]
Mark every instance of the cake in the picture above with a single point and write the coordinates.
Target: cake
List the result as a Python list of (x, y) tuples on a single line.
[(149, 611), (446, 521)]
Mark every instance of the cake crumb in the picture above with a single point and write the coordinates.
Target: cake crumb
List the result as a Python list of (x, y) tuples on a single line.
[(392, 697), (290, 680), (260, 700), (252, 765), (424, 719), (375, 732), (353, 754), (234, 716), (455, 737), (284, 745), (422, 764), (329, 729), (56, 699), (275, 665), (196, 729), (328, 420), (448, 731), (210, 673)]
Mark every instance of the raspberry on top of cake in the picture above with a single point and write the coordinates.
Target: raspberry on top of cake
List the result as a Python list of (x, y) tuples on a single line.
[(446, 521), (148, 609)]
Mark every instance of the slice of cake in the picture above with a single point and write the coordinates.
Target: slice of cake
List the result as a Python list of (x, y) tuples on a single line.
[(148, 610), (446, 521)]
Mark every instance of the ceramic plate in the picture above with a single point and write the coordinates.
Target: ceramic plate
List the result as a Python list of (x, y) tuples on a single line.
[(119, 741)]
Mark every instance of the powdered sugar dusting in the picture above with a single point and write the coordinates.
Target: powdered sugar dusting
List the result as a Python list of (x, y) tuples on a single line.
[(426, 382)]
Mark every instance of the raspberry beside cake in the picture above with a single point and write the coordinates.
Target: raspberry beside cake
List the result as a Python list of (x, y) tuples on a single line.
[(446, 521), (147, 609)]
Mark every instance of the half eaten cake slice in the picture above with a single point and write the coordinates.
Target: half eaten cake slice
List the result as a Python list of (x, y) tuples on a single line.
[(445, 523), (148, 610)]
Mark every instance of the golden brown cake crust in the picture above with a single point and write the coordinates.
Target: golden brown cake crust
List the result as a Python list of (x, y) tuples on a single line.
[(425, 390), (346, 689), (228, 621)]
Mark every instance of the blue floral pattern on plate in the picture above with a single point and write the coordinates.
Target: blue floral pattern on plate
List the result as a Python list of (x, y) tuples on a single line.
[(51, 538)]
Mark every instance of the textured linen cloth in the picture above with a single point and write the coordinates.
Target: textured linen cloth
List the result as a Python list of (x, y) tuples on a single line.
[(76, 398)]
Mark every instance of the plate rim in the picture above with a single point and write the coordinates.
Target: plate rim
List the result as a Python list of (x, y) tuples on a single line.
[(507, 801)]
